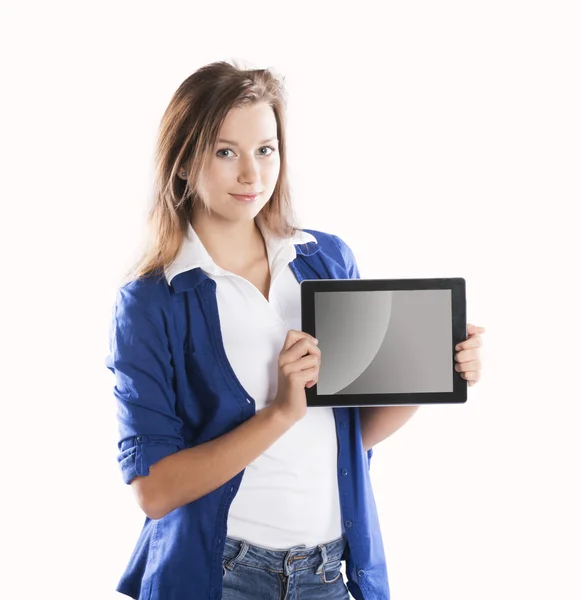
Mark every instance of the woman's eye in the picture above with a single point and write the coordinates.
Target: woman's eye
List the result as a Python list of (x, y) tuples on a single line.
[(228, 150)]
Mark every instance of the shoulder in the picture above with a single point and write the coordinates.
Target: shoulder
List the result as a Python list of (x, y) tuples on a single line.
[(148, 296), (336, 247)]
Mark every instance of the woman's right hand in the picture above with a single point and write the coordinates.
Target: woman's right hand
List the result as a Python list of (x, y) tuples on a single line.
[(298, 367)]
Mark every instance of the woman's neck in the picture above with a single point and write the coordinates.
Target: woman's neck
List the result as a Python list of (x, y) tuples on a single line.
[(234, 246)]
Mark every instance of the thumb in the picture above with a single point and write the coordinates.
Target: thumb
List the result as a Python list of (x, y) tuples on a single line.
[(293, 336)]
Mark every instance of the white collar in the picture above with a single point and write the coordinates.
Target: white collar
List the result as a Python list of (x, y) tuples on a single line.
[(193, 254)]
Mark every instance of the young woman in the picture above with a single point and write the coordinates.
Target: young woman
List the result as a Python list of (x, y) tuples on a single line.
[(247, 493)]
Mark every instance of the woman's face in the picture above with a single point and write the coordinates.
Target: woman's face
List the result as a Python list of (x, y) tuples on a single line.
[(247, 162)]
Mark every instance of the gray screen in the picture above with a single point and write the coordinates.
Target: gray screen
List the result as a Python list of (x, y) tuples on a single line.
[(382, 342)]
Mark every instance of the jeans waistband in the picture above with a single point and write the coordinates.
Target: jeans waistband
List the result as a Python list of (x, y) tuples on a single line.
[(284, 561)]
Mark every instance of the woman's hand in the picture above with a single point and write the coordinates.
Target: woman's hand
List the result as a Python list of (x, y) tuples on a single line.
[(298, 367), (468, 355)]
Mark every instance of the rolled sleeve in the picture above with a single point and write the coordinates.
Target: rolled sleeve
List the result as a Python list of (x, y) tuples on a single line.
[(139, 357)]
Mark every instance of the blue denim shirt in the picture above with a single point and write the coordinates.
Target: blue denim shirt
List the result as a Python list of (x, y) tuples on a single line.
[(175, 389)]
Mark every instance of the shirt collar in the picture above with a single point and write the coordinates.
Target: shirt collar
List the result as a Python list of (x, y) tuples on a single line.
[(193, 254)]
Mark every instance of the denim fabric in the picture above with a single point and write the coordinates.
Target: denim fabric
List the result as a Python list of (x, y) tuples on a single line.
[(299, 573)]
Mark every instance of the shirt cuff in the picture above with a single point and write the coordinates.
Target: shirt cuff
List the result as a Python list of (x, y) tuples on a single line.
[(140, 452)]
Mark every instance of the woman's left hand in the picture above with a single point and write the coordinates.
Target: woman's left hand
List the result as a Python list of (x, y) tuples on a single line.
[(468, 355)]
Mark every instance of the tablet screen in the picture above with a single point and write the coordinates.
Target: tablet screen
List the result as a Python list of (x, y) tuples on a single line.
[(384, 341)]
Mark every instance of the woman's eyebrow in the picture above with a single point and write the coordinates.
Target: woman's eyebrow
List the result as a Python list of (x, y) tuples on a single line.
[(236, 143)]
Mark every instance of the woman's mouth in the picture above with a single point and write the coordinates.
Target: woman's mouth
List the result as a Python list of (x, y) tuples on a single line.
[(245, 197)]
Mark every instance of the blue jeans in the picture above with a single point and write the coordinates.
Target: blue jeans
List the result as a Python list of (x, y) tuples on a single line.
[(299, 573)]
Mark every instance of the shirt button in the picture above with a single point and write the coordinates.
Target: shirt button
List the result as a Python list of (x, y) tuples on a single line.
[(231, 489), (348, 523), (343, 424), (219, 541), (361, 572), (344, 471)]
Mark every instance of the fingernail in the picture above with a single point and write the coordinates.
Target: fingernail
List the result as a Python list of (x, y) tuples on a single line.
[(316, 340)]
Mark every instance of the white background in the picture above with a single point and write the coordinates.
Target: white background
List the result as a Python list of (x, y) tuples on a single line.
[(436, 138)]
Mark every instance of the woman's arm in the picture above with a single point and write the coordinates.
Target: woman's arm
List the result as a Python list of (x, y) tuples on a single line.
[(379, 422), (185, 476)]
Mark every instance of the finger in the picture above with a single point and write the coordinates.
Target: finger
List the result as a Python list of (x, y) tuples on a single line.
[(293, 336), (472, 365), (308, 365), (471, 376), (303, 376), (466, 355), (474, 329), (308, 361), (472, 342), (302, 349), (306, 369), (304, 334)]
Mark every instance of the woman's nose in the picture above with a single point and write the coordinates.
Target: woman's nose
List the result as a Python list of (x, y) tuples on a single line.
[(248, 171)]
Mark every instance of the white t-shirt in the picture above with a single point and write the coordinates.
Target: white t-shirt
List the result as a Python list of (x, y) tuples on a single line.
[(289, 495)]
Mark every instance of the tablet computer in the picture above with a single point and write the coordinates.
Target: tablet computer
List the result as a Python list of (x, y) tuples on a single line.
[(386, 341)]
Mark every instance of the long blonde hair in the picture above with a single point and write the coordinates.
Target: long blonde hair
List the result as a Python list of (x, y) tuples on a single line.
[(187, 133)]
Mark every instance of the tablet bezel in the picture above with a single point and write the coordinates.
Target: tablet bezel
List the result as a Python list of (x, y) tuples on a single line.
[(457, 285)]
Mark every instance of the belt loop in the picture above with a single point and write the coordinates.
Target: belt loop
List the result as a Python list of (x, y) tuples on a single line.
[(285, 564), (230, 564), (287, 559), (323, 550)]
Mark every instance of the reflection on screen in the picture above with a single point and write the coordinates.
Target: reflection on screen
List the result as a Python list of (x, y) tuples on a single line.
[(384, 341)]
